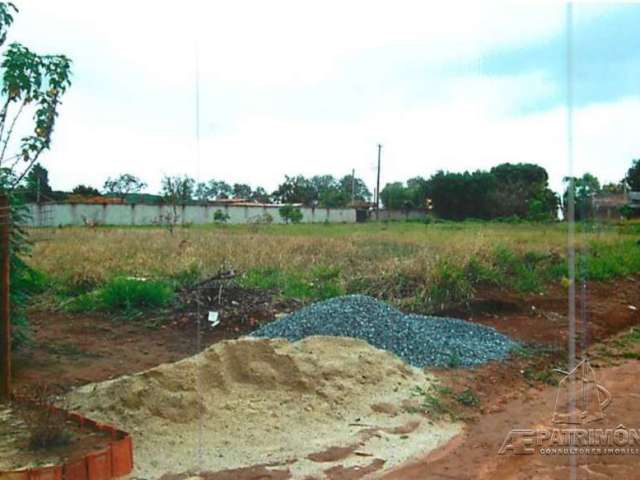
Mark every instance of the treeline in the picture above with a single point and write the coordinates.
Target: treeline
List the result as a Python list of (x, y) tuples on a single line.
[(506, 190), (324, 191)]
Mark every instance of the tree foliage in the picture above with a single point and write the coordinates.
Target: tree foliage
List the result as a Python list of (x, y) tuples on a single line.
[(213, 190), (395, 196), (457, 196), (31, 83), (296, 189), (632, 179), (241, 191), (522, 191), (323, 191), (260, 195), (37, 184), (86, 191), (507, 190), (398, 196)]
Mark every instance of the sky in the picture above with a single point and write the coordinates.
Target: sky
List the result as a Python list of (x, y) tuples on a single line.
[(291, 87)]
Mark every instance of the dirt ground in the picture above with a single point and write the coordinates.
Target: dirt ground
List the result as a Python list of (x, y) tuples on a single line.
[(475, 454), (17, 421), (76, 350)]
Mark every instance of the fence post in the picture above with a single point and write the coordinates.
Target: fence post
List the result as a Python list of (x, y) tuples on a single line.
[(5, 322)]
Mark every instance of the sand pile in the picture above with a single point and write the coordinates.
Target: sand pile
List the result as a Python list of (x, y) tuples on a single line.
[(256, 401)]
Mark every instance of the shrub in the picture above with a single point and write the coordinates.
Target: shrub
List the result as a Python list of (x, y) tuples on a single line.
[(626, 211), (468, 398), (289, 213), (220, 217)]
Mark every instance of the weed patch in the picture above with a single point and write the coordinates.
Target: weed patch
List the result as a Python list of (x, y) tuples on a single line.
[(547, 376), (432, 403), (450, 286), (468, 398)]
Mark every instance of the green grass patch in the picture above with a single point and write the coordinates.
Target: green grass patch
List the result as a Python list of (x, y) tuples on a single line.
[(320, 283), (124, 295), (631, 355), (603, 261), (633, 335)]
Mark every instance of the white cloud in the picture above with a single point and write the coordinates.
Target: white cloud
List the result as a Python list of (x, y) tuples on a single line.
[(131, 107)]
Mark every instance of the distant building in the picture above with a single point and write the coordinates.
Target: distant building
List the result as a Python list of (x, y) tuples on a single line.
[(634, 202), (243, 202), (608, 206)]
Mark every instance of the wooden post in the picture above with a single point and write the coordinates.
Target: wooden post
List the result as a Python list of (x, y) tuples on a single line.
[(5, 322)]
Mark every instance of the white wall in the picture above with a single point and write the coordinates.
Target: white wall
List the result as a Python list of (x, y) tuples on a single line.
[(401, 215), (63, 214)]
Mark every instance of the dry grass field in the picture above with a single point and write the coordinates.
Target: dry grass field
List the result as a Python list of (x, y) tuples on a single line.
[(413, 262)]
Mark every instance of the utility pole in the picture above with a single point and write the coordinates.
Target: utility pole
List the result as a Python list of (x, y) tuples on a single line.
[(353, 185), (5, 323), (378, 183)]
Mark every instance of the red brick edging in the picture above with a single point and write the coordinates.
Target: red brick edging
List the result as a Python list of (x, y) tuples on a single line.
[(113, 461)]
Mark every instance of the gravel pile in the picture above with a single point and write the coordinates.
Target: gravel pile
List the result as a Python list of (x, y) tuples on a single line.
[(418, 340)]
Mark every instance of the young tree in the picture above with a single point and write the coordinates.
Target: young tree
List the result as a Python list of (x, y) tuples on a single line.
[(32, 84), (176, 191), (123, 185)]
